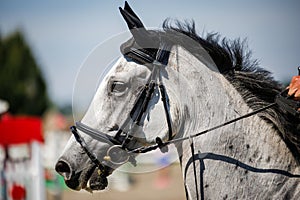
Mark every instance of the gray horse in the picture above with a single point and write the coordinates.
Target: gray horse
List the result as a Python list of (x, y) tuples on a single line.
[(206, 83)]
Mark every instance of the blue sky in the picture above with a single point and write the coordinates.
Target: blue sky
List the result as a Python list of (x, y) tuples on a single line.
[(62, 33)]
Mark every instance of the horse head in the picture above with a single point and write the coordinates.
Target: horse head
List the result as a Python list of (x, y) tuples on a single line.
[(127, 110)]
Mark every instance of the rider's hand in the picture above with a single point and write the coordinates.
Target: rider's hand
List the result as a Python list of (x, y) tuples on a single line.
[(294, 88)]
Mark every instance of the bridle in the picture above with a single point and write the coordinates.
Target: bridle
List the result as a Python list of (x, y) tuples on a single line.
[(119, 151)]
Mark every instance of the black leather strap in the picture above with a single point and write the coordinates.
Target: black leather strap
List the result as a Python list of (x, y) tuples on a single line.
[(97, 135)]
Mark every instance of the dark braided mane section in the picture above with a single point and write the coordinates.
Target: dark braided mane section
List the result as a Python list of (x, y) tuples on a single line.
[(256, 85)]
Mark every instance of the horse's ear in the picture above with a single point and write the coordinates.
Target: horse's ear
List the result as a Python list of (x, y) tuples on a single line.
[(143, 38), (132, 20)]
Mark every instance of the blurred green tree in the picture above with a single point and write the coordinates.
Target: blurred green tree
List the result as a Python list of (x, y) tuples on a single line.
[(21, 81)]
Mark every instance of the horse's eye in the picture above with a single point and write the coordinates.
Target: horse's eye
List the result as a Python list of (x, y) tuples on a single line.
[(118, 87)]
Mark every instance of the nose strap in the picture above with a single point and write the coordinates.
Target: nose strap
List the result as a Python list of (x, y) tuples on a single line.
[(95, 134)]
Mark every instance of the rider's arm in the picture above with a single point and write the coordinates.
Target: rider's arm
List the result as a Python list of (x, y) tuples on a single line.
[(294, 88)]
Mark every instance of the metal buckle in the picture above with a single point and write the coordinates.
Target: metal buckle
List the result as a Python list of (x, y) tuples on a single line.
[(116, 155)]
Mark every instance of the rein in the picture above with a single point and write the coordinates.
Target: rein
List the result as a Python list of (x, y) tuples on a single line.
[(161, 145), (95, 134)]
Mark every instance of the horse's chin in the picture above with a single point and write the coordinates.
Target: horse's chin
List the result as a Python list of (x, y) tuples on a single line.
[(89, 180), (96, 182)]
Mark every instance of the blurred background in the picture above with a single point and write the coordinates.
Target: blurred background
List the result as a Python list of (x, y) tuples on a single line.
[(44, 43)]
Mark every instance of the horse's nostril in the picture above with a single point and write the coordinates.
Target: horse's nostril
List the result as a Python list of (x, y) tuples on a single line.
[(63, 169)]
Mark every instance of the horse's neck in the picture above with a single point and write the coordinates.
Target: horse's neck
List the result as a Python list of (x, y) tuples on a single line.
[(241, 139), (252, 141)]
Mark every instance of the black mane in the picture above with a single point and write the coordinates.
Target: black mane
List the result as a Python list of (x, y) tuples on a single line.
[(256, 85)]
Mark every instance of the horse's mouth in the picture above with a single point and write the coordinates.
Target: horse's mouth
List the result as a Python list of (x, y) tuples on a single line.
[(90, 180), (97, 181)]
